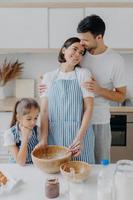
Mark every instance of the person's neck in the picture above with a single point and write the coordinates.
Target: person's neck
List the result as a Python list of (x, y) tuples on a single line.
[(66, 67), (99, 50)]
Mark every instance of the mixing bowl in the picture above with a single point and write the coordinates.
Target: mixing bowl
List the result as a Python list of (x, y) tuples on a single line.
[(49, 159)]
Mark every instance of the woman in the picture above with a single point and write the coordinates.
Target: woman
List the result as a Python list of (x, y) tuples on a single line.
[(66, 107)]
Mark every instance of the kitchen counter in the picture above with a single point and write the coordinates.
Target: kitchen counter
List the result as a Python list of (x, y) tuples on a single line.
[(122, 109), (34, 183), (7, 104)]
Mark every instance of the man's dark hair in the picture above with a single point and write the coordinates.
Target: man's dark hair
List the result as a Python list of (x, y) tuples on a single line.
[(67, 44), (93, 24)]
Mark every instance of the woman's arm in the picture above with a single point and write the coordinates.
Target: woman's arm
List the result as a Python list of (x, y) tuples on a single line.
[(87, 113), (44, 123)]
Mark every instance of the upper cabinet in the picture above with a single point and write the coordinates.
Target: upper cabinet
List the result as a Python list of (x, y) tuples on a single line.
[(23, 28), (63, 23), (40, 27), (119, 25)]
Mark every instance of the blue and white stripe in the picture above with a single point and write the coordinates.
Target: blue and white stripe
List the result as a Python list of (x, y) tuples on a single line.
[(65, 103), (33, 141)]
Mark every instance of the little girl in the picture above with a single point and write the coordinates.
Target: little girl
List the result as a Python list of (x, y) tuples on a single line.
[(23, 134)]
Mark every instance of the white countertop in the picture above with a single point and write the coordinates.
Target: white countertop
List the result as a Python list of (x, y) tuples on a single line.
[(7, 105), (33, 187)]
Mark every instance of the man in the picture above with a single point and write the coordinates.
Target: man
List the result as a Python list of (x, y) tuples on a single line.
[(108, 81)]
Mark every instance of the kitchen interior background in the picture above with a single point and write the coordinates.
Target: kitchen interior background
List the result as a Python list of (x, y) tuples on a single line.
[(35, 64)]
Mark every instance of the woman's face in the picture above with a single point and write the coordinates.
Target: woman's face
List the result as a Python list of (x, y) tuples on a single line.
[(74, 53)]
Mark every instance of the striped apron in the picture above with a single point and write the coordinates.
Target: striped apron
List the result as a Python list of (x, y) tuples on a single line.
[(33, 141), (65, 105)]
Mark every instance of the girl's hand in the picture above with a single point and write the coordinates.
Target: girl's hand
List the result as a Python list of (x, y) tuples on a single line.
[(26, 132), (76, 147)]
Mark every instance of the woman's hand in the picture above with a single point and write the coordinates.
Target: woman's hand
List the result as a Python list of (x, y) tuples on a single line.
[(41, 145), (76, 147)]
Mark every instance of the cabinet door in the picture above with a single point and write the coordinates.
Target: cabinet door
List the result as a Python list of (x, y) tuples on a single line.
[(119, 25), (63, 24), (23, 28)]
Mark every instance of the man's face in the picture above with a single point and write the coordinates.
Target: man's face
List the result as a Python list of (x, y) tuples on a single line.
[(89, 41)]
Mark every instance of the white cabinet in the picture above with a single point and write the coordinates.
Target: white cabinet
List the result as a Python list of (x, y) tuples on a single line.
[(119, 25), (23, 28), (5, 118), (63, 23)]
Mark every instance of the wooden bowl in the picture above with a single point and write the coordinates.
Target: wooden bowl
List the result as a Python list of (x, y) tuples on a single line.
[(75, 171), (49, 159)]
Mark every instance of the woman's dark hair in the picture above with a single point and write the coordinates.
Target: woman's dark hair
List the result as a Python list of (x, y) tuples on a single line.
[(23, 107), (67, 44), (93, 24)]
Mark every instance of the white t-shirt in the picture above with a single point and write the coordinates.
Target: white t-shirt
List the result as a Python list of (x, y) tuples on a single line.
[(108, 70), (81, 74), (9, 138)]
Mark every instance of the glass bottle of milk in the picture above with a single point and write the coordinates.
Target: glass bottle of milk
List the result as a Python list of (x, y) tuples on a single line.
[(123, 180), (104, 182)]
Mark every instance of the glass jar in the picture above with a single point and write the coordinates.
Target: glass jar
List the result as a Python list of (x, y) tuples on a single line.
[(52, 188), (123, 180)]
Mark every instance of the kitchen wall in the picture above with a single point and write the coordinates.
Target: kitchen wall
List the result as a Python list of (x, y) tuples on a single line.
[(34, 66), (37, 64)]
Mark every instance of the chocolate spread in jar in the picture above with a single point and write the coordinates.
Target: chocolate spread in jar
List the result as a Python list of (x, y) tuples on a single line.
[(52, 188)]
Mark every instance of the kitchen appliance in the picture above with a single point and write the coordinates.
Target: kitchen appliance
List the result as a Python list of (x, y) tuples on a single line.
[(122, 136)]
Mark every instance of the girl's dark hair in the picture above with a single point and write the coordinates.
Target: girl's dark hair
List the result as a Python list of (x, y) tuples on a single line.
[(67, 44), (93, 24), (23, 107)]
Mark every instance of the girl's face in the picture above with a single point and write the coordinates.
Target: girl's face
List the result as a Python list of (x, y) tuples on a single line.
[(74, 53), (29, 120)]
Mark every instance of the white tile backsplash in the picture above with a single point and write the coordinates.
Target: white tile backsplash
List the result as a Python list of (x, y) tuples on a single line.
[(37, 64)]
